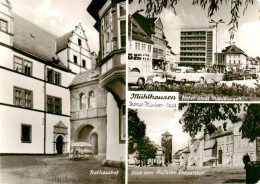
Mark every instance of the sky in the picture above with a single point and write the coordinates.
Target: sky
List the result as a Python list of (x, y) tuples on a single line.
[(246, 38), (59, 16), (159, 121)]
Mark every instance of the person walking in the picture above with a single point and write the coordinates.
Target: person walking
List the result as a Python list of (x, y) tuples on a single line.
[(247, 162)]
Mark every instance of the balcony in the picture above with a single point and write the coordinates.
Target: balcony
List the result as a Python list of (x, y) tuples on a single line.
[(89, 113)]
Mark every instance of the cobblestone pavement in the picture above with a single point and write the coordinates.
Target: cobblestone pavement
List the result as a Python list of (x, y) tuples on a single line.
[(192, 175), (55, 170)]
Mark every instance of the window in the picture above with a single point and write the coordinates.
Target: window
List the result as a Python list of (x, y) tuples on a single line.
[(106, 33), (3, 25), (122, 24), (122, 125), (82, 101), (143, 47), (84, 63), (123, 33), (75, 59), (122, 9), (137, 46), (53, 76), (23, 97), (26, 133), (23, 66), (57, 78), (251, 144), (149, 48), (79, 42), (54, 105), (91, 100)]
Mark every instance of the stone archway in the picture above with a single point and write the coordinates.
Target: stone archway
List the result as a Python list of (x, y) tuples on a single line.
[(84, 133), (60, 137), (94, 142)]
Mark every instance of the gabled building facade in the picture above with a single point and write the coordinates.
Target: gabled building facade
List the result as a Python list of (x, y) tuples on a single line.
[(153, 27), (35, 76), (235, 58), (140, 48), (73, 50)]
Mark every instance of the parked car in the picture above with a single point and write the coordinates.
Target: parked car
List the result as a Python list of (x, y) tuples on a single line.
[(159, 78), (249, 74), (186, 74), (136, 78)]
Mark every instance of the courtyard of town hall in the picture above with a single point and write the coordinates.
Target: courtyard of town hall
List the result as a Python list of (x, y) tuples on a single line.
[(57, 169)]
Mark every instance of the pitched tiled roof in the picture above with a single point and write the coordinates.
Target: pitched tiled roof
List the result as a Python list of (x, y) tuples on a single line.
[(62, 42), (137, 32), (233, 49), (84, 77), (146, 24), (33, 39)]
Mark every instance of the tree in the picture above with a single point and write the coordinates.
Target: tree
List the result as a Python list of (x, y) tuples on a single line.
[(198, 117), (136, 130), (155, 7), (146, 150), (251, 125)]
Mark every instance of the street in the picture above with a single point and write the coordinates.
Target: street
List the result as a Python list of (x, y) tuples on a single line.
[(193, 175), (55, 169)]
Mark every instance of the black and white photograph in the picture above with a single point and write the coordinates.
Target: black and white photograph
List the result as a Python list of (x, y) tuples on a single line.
[(198, 143), (205, 50), (62, 101)]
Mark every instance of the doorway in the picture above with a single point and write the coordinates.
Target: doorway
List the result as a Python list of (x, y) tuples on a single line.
[(220, 157), (94, 142), (59, 145)]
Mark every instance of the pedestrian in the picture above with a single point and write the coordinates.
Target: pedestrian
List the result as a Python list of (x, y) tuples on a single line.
[(247, 162)]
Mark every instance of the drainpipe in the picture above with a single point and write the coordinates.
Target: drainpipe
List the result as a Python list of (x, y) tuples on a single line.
[(44, 139)]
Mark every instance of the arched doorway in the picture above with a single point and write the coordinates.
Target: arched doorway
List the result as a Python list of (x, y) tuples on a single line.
[(85, 133), (94, 142), (59, 145)]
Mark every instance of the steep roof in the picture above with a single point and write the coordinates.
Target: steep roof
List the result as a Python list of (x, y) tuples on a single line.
[(166, 134), (84, 77), (137, 32), (62, 42), (233, 49), (147, 24), (33, 39)]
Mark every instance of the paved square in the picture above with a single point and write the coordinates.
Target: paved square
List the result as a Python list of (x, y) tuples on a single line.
[(55, 169)]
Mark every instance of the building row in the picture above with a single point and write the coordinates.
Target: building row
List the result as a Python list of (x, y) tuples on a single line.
[(150, 53), (222, 148), (55, 91)]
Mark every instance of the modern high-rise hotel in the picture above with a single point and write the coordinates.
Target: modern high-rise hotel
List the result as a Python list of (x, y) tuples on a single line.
[(197, 47)]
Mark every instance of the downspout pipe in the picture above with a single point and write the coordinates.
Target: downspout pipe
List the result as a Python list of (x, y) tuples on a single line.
[(44, 138)]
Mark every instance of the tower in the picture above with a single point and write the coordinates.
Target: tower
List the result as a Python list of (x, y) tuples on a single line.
[(166, 142)]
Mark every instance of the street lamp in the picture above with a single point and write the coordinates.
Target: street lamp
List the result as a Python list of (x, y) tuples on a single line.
[(216, 24)]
